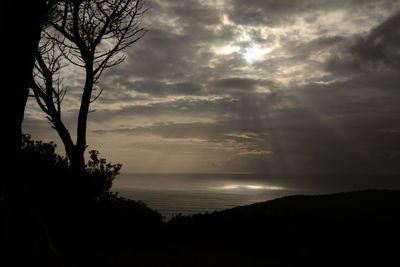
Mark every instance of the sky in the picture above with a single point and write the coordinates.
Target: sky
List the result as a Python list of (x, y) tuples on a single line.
[(282, 88)]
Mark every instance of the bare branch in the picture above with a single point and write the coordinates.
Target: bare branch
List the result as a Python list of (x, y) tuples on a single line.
[(96, 97), (86, 34)]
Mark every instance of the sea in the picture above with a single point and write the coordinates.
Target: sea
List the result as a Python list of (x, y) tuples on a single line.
[(185, 194)]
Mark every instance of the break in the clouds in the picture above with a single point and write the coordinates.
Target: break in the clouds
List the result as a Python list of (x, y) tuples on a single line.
[(306, 88)]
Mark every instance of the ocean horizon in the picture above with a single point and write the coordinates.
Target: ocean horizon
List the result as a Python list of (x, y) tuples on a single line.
[(173, 194)]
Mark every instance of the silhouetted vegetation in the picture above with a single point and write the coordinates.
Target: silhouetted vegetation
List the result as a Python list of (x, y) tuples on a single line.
[(88, 35), (19, 59), (70, 215), (22, 24), (41, 192), (73, 222), (54, 173)]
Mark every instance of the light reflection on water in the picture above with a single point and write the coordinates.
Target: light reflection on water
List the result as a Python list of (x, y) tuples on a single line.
[(195, 193)]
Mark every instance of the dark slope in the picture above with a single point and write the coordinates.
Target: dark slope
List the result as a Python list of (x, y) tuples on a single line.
[(356, 227), (361, 205), (369, 206)]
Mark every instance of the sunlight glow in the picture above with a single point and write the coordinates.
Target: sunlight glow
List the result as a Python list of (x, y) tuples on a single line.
[(229, 49), (250, 54), (249, 186), (254, 53)]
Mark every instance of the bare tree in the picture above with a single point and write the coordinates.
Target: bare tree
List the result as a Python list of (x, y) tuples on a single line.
[(89, 34)]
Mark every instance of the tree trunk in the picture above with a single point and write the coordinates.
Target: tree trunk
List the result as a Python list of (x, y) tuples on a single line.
[(77, 159), (83, 116), (22, 30), (21, 25), (74, 153)]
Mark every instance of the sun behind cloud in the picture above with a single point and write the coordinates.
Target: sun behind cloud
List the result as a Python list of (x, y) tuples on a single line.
[(251, 53), (255, 53)]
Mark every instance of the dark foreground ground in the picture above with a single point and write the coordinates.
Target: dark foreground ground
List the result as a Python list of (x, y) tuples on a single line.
[(355, 228)]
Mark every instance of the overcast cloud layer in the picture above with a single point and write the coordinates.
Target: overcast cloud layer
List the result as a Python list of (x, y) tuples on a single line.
[(306, 88)]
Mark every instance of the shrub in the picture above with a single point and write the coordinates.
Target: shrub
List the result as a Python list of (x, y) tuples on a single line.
[(101, 173), (45, 170), (81, 210)]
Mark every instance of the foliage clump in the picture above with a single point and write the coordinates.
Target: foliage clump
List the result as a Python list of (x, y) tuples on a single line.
[(76, 208), (101, 172), (54, 172)]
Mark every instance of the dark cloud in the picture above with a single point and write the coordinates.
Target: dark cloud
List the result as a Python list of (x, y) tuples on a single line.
[(374, 52), (166, 55), (243, 107), (331, 133), (322, 103), (241, 87), (298, 142), (381, 45), (283, 12), (158, 88), (233, 86), (236, 83), (183, 107), (175, 45), (193, 13), (305, 49), (160, 54), (169, 130)]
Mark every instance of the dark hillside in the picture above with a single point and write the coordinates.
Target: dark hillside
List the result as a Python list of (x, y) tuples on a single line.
[(356, 226)]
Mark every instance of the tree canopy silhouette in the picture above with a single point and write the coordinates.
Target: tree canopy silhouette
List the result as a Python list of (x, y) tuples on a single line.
[(89, 35), (53, 172)]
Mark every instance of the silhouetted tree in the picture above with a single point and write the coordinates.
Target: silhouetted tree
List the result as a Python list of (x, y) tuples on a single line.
[(21, 46), (21, 25), (89, 35)]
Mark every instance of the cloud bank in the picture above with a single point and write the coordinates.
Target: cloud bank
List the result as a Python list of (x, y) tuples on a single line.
[(319, 98)]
